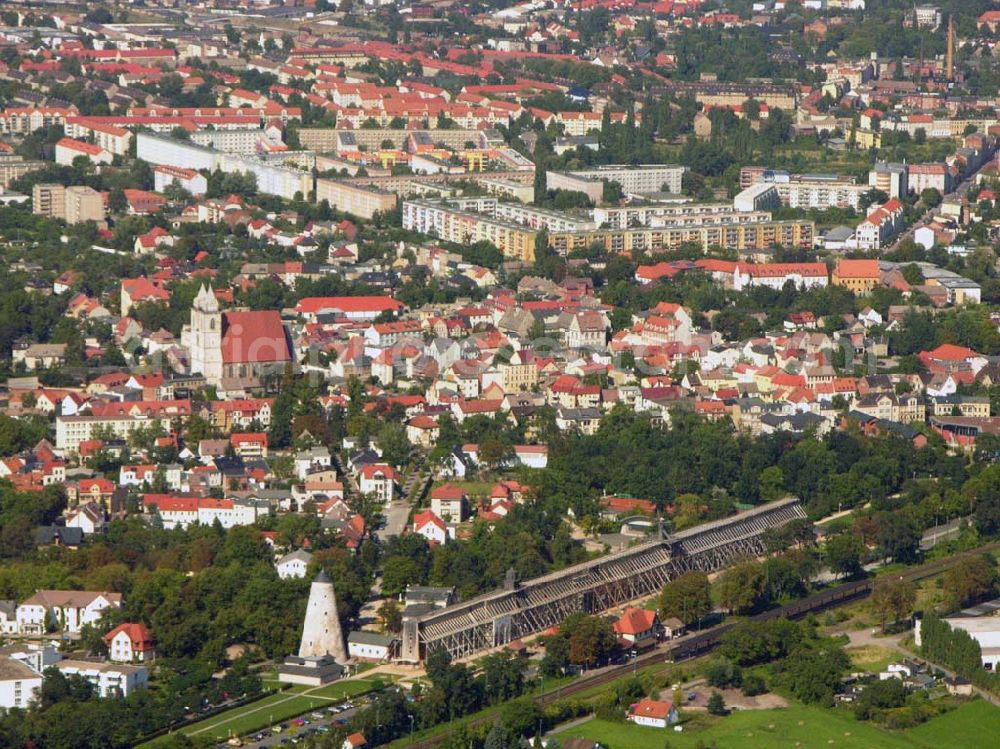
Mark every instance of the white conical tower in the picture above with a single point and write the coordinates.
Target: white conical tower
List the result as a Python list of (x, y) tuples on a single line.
[(321, 634)]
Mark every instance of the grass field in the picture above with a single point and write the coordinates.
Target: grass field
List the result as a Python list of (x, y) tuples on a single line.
[(872, 658), (271, 709), (969, 726), (801, 727)]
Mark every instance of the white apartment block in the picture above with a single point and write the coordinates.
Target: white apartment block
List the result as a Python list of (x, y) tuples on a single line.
[(63, 610), (72, 430), (19, 684), (108, 679)]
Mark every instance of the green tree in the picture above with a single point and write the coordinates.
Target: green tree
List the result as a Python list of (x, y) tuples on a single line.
[(591, 639), (716, 704), (892, 599), (842, 553), (740, 587), (687, 598)]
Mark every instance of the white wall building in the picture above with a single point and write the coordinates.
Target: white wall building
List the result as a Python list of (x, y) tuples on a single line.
[(109, 679), (18, 683), (294, 564), (63, 610)]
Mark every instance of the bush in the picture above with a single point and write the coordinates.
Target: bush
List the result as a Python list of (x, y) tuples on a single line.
[(723, 673), (716, 705), (754, 684)]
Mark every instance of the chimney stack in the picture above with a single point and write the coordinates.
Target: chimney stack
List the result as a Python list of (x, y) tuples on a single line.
[(949, 60)]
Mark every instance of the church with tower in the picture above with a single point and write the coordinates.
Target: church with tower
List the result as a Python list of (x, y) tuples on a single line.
[(235, 348)]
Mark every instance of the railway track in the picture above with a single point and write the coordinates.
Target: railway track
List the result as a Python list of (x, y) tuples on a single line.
[(700, 643)]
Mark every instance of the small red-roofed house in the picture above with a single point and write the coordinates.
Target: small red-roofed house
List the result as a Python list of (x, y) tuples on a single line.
[(130, 642), (378, 479), (249, 444), (354, 741), (615, 506), (653, 713), (637, 628), (155, 237), (431, 527)]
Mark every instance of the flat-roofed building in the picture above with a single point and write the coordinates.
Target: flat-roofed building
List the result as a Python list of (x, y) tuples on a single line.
[(363, 202)]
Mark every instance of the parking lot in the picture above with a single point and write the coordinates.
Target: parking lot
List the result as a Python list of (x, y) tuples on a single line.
[(321, 720)]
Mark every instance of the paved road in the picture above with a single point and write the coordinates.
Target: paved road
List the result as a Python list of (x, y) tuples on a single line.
[(395, 520)]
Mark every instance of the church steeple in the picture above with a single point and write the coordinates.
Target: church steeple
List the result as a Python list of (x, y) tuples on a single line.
[(205, 301), (206, 335)]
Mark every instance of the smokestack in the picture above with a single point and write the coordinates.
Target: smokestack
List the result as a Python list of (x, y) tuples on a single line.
[(949, 60)]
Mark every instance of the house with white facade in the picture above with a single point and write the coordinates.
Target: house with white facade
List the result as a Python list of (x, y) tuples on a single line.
[(63, 610), (653, 713), (379, 480), (19, 684), (293, 564), (130, 642), (431, 527), (370, 646), (108, 679)]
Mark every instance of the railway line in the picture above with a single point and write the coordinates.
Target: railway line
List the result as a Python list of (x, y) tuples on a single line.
[(700, 643)]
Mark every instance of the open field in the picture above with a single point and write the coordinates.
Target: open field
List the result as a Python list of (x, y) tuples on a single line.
[(872, 658), (272, 709), (971, 725), (802, 727)]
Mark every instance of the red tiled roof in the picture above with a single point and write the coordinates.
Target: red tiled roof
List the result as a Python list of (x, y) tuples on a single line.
[(635, 621), (140, 637), (348, 304), (254, 337)]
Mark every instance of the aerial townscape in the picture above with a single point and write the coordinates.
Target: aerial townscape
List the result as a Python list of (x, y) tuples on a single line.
[(499, 374)]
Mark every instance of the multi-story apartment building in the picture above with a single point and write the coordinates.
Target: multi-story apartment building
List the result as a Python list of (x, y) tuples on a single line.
[(13, 166), (72, 204), (72, 430), (808, 190), (881, 224), (715, 93), (464, 227), (730, 236), (939, 176), (633, 179), (890, 179), (112, 138), (49, 199), (671, 214), (363, 202), (83, 204), (25, 120)]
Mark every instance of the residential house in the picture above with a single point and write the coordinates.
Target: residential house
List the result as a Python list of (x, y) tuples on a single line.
[(63, 610), (431, 527), (637, 628), (379, 480), (448, 502), (129, 642), (294, 564), (653, 713)]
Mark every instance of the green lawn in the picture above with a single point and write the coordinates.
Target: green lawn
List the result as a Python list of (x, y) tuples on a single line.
[(872, 658), (271, 709), (971, 725), (802, 727)]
